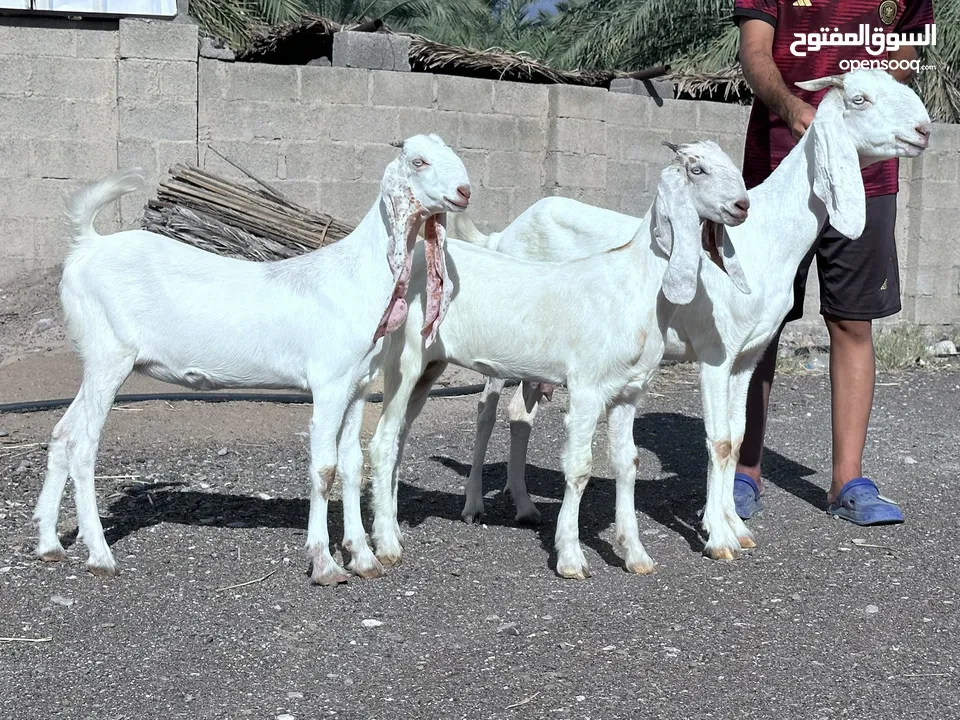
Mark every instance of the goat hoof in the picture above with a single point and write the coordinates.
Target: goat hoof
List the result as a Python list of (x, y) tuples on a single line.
[(389, 559), (368, 570), (747, 542), (644, 567), (529, 518), (54, 555), (471, 515), (333, 576), (722, 553), (102, 570), (573, 572)]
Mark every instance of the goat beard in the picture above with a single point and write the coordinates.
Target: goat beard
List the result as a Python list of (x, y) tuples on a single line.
[(439, 287)]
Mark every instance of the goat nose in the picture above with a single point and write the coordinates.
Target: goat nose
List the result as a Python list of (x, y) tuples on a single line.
[(464, 192), (923, 129), (743, 204)]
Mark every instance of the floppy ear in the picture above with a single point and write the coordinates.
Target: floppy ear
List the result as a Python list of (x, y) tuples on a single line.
[(836, 179), (678, 234), (731, 265)]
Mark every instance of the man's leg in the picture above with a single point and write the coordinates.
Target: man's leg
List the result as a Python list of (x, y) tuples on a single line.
[(859, 283), (852, 377)]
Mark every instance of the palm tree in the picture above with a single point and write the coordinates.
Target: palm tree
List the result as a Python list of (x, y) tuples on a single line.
[(236, 20)]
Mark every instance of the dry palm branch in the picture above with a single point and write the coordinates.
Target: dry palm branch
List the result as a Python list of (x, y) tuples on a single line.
[(228, 218)]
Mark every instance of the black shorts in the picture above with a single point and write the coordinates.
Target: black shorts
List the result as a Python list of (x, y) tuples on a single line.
[(859, 279)]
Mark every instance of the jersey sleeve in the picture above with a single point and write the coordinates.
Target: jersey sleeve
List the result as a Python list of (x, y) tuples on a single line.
[(765, 10), (916, 14)]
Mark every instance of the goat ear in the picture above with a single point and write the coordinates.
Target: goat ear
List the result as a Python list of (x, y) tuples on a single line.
[(731, 264), (820, 83), (836, 179), (678, 235)]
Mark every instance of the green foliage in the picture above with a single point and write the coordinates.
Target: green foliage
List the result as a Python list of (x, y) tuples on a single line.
[(693, 36)]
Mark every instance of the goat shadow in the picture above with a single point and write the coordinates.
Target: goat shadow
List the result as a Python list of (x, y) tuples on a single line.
[(673, 500)]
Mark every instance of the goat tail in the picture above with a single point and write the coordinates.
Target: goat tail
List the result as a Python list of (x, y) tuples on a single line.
[(461, 226), (85, 204)]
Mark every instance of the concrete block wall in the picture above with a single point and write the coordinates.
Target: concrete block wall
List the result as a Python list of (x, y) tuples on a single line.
[(78, 100), (157, 102), (58, 128), (322, 135)]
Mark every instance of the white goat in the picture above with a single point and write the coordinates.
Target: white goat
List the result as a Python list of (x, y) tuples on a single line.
[(139, 301), (585, 323), (867, 117)]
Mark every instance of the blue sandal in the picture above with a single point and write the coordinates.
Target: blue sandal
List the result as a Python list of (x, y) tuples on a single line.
[(746, 496), (861, 503)]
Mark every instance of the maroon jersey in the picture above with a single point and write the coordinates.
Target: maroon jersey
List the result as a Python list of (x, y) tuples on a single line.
[(768, 137)]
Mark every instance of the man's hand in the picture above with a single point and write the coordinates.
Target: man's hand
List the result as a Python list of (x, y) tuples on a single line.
[(798, 116)]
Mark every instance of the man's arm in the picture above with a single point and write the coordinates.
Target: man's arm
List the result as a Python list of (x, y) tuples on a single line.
[(763, 77), (907, 52)]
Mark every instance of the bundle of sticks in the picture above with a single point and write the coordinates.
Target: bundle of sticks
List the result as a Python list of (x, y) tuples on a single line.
[(222, 216)]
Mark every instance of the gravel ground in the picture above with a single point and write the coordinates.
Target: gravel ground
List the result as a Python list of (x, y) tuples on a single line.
[(475, 624)]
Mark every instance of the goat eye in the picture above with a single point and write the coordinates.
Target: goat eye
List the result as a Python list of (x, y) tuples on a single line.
[(859, 100), (418, 163), (696, 170)]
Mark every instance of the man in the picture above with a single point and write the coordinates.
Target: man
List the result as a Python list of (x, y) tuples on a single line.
[(859, 279)]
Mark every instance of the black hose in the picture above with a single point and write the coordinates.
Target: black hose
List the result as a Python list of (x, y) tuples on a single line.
[(216, 397)]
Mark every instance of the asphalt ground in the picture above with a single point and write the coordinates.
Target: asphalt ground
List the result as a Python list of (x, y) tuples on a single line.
[(822, 620)]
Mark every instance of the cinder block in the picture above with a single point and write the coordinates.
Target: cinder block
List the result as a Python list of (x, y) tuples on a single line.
[(717, 117), (322, 161), (626, 179), (73, 158), (172, 152), (415, 121), (584, 137), (373, 51), (658, 88), (945, 136), (678, 116), (348, 200), (511, 98), (216, 49), (33, 37), (568, 170), (475, 161), (35, 197), (936, 231), (939, 166), (937, 281), (139, 153), (338, 86), (262, 158), (239, 120), (158, 40), (531, 134), (935, 311), (80, 78), (17, 247), (514, 169), (493, 206), (170, 121), (488, 132), (403, 90), (352, 123), (302, 192), (15, 158), (99, 39), (464, 94), (46, 117), (937, 194), (260, 82), (577, 102), (158, 80), (374, 159), (628, 110)]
